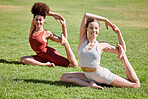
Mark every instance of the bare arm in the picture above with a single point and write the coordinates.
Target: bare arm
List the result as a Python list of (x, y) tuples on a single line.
[(53, 37), (110, 48), (121, 40), (100, 18), (83, 32), (32, 26), (103, 46), (62, 21)]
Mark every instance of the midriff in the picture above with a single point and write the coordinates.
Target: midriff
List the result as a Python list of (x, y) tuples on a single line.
[(89, 69)]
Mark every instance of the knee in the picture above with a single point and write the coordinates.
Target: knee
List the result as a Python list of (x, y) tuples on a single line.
[(75, 64), (137, 84), (23, 59), (63, 77)]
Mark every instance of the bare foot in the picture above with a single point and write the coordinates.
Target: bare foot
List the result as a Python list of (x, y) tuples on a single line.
[(94, 85), (121, 52), (50, 64), (64, 40)]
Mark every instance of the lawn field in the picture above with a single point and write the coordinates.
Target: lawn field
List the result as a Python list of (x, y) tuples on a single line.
[(18, 81)]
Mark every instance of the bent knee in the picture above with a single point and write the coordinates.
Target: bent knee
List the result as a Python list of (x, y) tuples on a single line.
[(75, 64), (63, 77), (137, 84), (22, 59)]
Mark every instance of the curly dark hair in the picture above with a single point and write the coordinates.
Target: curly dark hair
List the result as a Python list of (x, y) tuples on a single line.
[(40, 9)]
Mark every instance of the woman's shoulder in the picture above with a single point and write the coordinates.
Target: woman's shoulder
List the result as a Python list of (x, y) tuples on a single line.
[(47, 33), (102, 45), (102, 42)]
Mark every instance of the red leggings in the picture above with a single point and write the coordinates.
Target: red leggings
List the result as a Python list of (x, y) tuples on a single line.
[(51, 55)]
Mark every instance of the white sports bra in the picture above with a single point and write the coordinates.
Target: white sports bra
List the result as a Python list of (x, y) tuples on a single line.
[(89, 58)]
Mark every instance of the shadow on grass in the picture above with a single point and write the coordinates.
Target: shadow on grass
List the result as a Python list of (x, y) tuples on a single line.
[(57, 83), (9, 62)]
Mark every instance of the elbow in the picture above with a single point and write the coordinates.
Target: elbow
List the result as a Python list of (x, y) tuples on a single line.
[(137, 84), (86, 14), (62, 79)]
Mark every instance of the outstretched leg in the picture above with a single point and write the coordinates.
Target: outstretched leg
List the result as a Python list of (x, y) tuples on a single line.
[(132, 80), (78, 79), (69, 53), (31, 61)]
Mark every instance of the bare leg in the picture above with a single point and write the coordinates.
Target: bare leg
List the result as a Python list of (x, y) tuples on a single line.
[(132, 80), (78, 79), (31, 61), (69, 53)]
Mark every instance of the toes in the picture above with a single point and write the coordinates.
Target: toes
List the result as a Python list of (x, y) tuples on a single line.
[(53, 65), (95, 86), (99, 87)]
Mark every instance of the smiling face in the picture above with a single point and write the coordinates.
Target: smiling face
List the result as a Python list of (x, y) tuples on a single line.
[(93, 29), (39, 21)]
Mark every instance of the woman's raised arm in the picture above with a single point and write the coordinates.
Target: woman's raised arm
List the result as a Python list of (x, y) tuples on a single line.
[(32, 26), (121, 40), (113, 49), (83, 32), (99, 18), (62, 21)]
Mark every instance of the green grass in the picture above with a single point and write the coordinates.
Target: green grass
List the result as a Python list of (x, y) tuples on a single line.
[(33, 82)]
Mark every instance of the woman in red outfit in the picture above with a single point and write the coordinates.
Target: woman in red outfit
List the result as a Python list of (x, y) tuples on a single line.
[(38, 38)]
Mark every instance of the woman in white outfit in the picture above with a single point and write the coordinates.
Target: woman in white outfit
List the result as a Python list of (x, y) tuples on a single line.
[(89, 52)]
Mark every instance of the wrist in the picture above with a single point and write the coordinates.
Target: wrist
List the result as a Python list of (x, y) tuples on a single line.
[(63, 26), (118, 33), (124, 57)]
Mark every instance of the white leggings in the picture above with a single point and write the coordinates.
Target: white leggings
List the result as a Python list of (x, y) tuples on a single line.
[(101, 75)]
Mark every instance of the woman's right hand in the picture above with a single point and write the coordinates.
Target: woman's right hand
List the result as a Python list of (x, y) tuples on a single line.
[(60, 18), (55, 15), (108, 23)]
